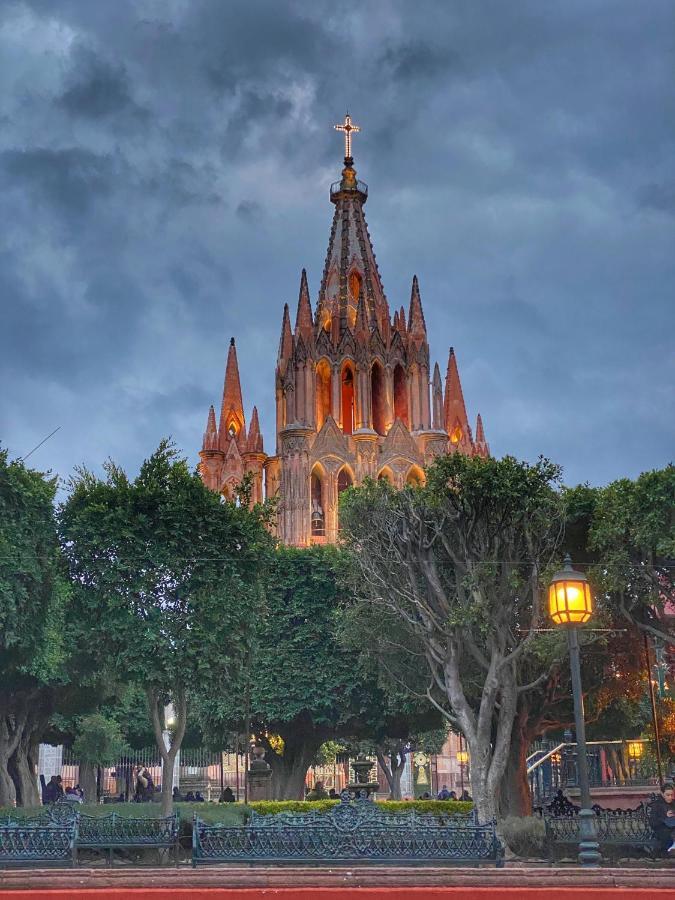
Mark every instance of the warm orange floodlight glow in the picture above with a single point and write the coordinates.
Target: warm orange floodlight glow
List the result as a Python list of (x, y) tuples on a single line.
[(569, 597), (462, 757), (635, 749)]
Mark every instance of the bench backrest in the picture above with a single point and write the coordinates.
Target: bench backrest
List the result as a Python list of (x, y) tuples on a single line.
[(354, 829), (31, 840)]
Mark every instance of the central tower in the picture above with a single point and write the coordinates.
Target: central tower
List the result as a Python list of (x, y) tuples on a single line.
[(354, 396)]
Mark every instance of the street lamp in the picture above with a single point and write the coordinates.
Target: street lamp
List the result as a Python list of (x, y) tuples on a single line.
[(570, 604)]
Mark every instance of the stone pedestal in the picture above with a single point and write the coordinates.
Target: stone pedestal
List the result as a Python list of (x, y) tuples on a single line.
[(259, 777)]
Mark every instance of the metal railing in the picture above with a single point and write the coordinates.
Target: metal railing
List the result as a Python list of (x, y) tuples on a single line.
[(361, 186), (553, 767)]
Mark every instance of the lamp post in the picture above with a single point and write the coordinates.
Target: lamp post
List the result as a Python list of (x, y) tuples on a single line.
[(570, 604), (462, 759)]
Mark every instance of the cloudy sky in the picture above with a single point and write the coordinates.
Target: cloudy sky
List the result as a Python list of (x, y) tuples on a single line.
[(164, 175)]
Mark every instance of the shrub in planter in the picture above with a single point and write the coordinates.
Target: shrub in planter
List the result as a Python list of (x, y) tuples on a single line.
[(525, 836)]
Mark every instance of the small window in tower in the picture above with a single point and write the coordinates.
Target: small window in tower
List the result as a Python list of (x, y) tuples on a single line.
[(456, 434), (354, 285), (232, 430), (324, 390)]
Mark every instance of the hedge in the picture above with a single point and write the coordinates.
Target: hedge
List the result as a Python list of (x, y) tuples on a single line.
[(435, 807)]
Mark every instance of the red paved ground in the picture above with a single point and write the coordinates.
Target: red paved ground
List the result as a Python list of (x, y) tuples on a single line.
[(310, 893)]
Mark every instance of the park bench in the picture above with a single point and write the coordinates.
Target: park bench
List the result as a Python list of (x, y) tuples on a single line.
[(35, 842), (615, 827), (116, 832), (353, 831)]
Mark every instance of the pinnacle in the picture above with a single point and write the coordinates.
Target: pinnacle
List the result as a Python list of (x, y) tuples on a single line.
[(303, 319), (416, 323), (255, 440), (361, 315), (286, 341), (456, 420), (210, 441), (480, 434), (232, 406)]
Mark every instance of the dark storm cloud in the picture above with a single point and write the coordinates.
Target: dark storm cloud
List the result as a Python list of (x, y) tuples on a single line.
[(164, 171)]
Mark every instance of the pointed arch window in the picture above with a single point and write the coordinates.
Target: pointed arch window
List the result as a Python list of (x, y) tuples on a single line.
[(456, 434), (355, 282), (324, 389), (347, 399), (344, 481), (378, 398), (317, 514), (401, 395)]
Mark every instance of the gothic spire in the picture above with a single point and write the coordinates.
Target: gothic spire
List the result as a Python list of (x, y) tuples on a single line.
[(482, 446), (350, 261), (456, 420), (210, 441), (232, 421), (416, 324), (286, 340), (303, 319), (437, 400), (255, 440)]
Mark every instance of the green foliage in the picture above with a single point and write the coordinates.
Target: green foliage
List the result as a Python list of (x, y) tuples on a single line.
[(173, 573), (396, 807), (525, 835), (272, 807), (33, 592), (299, 671), (100, 741)]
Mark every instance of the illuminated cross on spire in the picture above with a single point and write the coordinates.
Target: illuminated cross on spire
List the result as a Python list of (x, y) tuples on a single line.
[(347, 127)]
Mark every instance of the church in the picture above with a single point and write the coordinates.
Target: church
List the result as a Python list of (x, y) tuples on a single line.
[(355, 393)]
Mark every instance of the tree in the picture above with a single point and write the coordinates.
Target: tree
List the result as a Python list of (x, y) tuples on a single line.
[(99, 743), (33, 599), (458, 561), (303, 686), (631, 534), (168, 578)]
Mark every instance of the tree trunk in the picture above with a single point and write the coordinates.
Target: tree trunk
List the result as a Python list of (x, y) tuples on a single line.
[(88, 781), (7, 788), (393, 770), (289, 771), (23, 774), (168, 754), (167, 782), (514, 794)]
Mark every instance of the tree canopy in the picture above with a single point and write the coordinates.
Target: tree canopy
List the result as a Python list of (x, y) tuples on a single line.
[(167, 581)]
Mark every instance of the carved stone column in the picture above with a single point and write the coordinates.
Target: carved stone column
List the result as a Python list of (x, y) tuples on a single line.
[(367, 454), (294, 516)]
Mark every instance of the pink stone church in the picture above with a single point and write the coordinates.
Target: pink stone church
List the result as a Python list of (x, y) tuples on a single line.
[(355, 393)]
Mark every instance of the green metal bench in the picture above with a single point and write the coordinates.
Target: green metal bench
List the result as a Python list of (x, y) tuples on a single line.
[(615, 827), (116, 832), (37, 843), (353, 831)]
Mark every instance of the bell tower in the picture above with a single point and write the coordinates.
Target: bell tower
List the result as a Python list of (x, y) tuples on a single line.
[(355, 394)]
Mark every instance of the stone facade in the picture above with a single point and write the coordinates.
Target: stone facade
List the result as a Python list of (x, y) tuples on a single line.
[(355, 394)]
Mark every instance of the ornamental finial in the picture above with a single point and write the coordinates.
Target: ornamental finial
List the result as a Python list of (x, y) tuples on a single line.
[(347, 127)]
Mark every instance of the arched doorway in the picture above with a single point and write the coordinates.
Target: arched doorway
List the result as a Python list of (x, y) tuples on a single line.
[(415, 477), (317, 503)]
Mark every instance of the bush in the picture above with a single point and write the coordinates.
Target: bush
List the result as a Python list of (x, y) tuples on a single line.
[(272, 807), (525, 836)]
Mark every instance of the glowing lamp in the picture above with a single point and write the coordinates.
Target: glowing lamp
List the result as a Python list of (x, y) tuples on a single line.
[(635, 749), (462, 757), (569, 596)]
